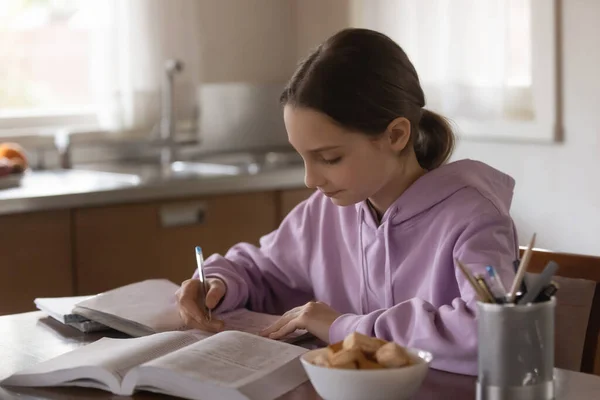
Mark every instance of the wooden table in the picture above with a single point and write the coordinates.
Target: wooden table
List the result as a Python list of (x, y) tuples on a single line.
[(26, 339)]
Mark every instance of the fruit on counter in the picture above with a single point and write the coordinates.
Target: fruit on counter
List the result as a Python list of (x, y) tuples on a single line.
[(5, 167), (12, 157)]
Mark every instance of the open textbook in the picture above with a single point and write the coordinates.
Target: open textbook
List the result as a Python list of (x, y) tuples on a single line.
[(229, 365), (150, 306)]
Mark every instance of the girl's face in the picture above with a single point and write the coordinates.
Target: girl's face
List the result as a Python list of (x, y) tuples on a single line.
[(346, 166)]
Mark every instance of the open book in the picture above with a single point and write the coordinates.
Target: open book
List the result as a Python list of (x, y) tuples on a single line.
[(150, 306), (229, 365)]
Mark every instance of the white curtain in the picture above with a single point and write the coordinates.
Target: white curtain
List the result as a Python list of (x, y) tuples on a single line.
[(473, 57), (132, 41)]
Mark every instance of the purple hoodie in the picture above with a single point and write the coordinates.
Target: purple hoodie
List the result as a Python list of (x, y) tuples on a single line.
[(396, 280)]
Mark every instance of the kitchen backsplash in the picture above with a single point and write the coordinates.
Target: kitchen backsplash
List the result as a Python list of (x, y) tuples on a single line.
[(241, 116)]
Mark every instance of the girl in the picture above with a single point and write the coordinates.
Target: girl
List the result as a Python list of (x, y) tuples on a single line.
[(373, 249)]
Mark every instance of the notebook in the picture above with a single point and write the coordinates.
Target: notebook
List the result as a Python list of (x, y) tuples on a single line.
[(229, 365), (150, 306), (61, 309)]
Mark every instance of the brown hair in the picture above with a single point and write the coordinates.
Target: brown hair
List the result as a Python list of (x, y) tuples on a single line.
[(363, 80)]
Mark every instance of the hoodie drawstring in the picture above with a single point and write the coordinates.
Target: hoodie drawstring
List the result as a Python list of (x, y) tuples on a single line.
[(364, 306), (389, 296)]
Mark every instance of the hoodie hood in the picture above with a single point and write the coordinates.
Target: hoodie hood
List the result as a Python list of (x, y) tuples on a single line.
[(439, 184)]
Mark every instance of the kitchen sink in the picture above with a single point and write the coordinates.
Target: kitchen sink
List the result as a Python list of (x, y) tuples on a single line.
[(210, 166), (151, 172), (91, 179)]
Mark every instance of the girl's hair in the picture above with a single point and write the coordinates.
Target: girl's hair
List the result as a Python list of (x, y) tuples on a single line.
[(363, 80)]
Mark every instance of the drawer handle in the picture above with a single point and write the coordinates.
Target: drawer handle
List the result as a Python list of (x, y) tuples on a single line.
[(182, 214)]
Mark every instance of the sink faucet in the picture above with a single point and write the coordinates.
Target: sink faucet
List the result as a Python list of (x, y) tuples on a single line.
[(168, 118), (62, 142), (166, 125)]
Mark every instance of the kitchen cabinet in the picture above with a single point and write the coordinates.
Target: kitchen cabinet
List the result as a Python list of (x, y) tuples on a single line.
[(35, 259), (121, 244), (289, 199)]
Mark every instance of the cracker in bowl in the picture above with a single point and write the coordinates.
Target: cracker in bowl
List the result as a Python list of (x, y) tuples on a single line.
[(358, 351)]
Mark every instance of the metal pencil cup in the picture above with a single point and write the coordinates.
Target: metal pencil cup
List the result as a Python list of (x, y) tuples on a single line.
[(516, 351)]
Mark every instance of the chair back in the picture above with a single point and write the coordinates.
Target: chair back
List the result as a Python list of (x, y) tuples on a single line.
[(578, 308)]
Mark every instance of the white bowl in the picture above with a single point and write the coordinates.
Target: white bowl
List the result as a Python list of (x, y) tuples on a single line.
[(380, 384)]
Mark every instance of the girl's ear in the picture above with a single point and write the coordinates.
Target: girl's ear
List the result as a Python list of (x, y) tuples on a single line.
[(398, 133)]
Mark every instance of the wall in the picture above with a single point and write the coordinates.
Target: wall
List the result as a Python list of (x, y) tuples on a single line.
[(558, 185), (247, 40), (316, 20), (260, 41)]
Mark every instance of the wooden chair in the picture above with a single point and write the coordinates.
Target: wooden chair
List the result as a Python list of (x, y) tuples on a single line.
[(578, 308)]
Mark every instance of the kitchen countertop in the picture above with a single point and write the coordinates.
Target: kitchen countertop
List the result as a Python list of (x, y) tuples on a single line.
[(75, 188)]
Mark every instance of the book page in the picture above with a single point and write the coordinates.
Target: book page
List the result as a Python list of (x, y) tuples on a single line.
[(116, 355), (151, 303), (252, 322), (229, 358)]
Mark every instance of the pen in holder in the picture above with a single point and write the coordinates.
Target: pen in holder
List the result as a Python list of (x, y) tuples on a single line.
[(516, 351)]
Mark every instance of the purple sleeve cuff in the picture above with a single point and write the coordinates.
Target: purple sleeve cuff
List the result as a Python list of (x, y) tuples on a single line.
[(230, 301), (346, 324), (236, 294)]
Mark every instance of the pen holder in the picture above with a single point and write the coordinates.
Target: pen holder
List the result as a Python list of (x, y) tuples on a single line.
[(516, 351)]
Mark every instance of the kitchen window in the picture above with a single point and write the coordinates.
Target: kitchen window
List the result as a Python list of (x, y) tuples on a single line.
[(45, 63), (95, 65), (488, 65)]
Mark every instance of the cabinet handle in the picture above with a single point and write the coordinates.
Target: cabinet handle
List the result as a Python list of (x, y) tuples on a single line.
[(182, 214)]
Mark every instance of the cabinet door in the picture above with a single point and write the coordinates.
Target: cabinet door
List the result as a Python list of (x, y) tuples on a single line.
[(291, 198), (122, 244), (35, 259)]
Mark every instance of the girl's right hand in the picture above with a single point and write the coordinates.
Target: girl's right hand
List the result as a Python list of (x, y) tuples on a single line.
[(191, 303)]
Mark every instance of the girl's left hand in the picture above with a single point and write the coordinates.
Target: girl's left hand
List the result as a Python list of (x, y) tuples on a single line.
[(314, 316)]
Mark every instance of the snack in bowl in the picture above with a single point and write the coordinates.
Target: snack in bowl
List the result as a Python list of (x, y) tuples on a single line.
[(358, 351), (361, 367)]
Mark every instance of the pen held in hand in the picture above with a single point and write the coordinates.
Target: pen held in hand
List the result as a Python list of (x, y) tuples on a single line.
[(202, 278)]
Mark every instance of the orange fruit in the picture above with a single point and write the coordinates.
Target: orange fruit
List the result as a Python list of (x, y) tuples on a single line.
[(15, 153)]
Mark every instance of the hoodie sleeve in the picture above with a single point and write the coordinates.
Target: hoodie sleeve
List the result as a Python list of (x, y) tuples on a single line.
[(272, 278), (449, 332)]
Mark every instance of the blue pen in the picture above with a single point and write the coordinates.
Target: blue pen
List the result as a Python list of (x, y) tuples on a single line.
[(202, 278), (497, 282)]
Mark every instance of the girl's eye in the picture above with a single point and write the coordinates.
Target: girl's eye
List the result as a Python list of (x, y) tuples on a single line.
[(332, 160)]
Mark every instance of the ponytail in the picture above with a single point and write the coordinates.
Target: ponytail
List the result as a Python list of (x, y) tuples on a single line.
[(435, 140)]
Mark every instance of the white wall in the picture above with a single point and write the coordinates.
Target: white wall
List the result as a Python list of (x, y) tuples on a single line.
[(558, 185)]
